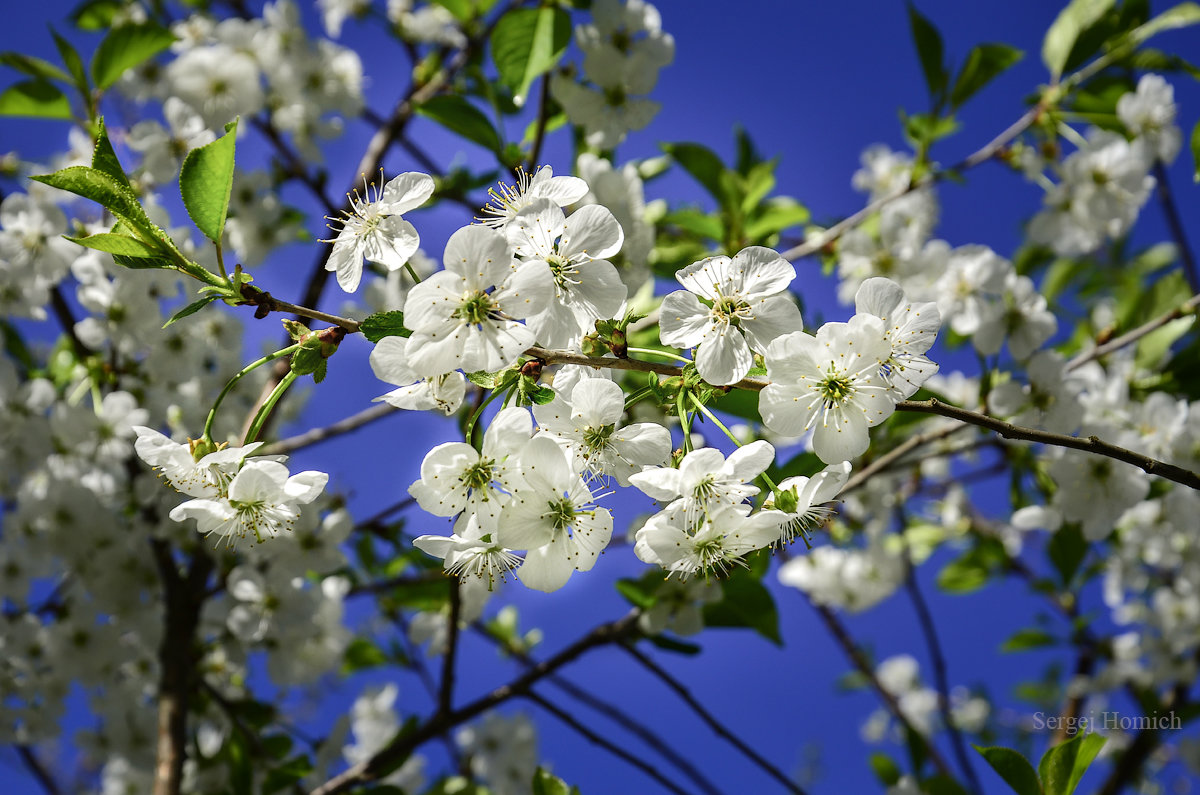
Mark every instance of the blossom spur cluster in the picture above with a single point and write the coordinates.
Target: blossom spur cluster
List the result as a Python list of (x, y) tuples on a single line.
[(231, 497)]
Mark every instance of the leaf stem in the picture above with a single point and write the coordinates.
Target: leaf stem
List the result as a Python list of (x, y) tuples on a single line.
[(212, 413)]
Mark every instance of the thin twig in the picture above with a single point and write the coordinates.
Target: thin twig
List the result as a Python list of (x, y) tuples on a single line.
[(400, 747), (540, 135), (66, 319), (889, 458), (295, 164), (1175, 224), (984, 153), (709, 719), (311, 437), (617, 716), (38, 770), (1131, 761), (446, 691), (860, 661), (1090, 444), (940, 676), (611, 747), (1188, 307)]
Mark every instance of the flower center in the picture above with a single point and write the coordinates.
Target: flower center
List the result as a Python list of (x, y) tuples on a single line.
[(731, 310), (478, 475), (562, 513), (475, 308), (835, 388), (595, 439)]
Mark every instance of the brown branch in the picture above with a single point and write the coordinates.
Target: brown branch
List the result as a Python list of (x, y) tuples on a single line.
[(446, 690), (1090, 444), (38, 770), (1175, 224), (183, 599), (863, 665), (351, 423), (66, 319), (710, 720), (983, 154), (1144, 744), (268, 303), (622, 719), (611, 747), (295, 164), (542, 119), (1188, 307), (404, 743), (889, 458), (941, 677)]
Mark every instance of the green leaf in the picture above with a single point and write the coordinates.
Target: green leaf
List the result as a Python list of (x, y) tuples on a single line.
[(1066, 549), (96, 14), (527, 43), (113, 195), (885, 768), (206, 182), (33, 66), (777, 214), (1180, 16), (746, 603), (930, 52), (191, 309), (1063, 765), (546, 783), (460, 116), (1078, 16), (104, 158), (360, 654), (35, 99), (116, 244), (1013, 768), (73, 63), (126, 47), (641, 593), (391, 324), (984, 63), (287, 774), (1030, 638), (703, 164), (1196, 152), (941, 784), (964, 575)]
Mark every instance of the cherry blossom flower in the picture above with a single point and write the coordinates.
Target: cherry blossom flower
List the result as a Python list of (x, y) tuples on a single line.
[(720, 538), (508, 200), (803, 500), (207, 477), (466, 315), (390, 362), (374, 230), (831, 383), (745, 307), (910, 328), (706, 479)]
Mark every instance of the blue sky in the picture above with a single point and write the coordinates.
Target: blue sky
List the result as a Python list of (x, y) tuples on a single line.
[(813, 83)]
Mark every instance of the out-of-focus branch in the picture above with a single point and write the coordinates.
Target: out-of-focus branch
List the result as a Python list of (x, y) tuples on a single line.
[(38, 770), (611, 747), (710, 720), (311, 437), (1188, 307), (446, 689), (370, 769), (1175, 224)]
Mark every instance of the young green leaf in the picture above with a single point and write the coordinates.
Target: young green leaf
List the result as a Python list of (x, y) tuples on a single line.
[(384, 324), (104, 158), (528, 43), (72, 61), (1013, 768), (1078, 16), (984, 63), (35, 99), (1066, 549), (930, 52), (126, 47), (1180, 16), (109, 193), (191, 309), (703, 164), (96, 14), (206, 182), (1028, 638), (117, 244), (546, 783), (460, 116), (745, 603), (34, 67), (1063, 765)]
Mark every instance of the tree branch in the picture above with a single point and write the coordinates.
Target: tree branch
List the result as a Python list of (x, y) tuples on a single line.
[(1188, 307), (351, 423), (1175, 224), (711, 721), (1090, 444), (889, 458), (622, 719), (612, 748), (38, 770), (446, 691), (403, 744)]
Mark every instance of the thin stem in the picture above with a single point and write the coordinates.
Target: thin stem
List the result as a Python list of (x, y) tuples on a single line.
[(1188, 307), (1175, 224), (665, 354), (542, 119), (713, 417), (380, 763), (351, 423), (889, 458), (469, 432), (607, 745), (212, 413), (261, 418), (38, 770), (221, 261), (701, 712), (940, 676), (446, 691)]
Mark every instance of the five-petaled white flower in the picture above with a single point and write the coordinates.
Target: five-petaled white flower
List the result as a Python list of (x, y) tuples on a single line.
[(587, 286), (208, 477), (745, 308), (552, 516), (474, 553), (374, 230), (719, 539), (910, 328), (508, 200), (262, 500), (584, 420), (802, 500), (831, 382), (706, 479), (390, 362), (466, 315)]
